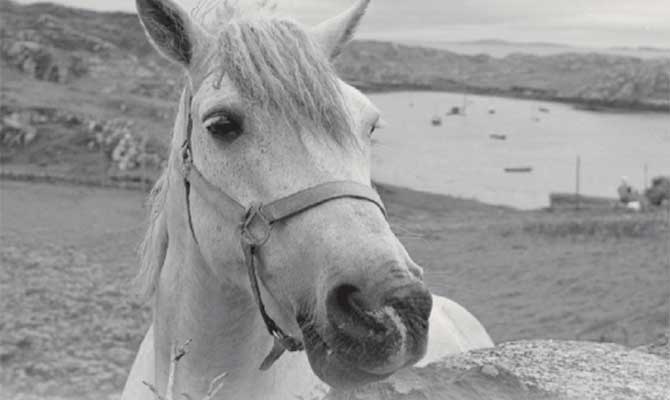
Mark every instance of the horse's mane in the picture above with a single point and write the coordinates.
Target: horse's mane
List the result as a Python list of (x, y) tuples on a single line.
[(276, 68), (154, 245)]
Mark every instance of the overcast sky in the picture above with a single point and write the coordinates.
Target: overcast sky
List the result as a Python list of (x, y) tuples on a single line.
[(580, 22)]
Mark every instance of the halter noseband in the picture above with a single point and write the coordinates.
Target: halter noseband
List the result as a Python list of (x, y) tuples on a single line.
[(256, 221)]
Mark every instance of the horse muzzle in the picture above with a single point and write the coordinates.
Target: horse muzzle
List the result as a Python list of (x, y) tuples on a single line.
[(369, 333)]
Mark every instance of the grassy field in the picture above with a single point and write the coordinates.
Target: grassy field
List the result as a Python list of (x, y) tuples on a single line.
[(70, 324)]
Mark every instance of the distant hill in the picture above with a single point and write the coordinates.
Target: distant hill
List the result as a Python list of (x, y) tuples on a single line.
[(595, 79), (501, 48), (645, 48), (500, 42)]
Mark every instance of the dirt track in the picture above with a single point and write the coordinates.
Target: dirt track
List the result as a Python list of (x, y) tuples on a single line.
[(69, 324)]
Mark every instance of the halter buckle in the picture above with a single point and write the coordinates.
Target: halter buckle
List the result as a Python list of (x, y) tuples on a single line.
[(255, 221)]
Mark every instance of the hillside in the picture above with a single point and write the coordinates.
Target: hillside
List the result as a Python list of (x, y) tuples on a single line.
[(56, 43), (84, 94), (595, 79)]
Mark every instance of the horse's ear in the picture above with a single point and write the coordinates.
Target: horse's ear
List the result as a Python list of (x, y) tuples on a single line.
[(335, 33), (169, 29)]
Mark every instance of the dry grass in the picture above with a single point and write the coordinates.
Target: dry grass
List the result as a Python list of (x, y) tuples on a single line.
[(614, 225)]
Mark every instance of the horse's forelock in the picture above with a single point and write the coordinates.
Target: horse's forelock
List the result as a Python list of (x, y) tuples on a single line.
[(213, 14), (275, 66)]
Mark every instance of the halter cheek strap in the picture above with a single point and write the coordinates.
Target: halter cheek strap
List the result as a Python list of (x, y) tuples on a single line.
[(256, 222)]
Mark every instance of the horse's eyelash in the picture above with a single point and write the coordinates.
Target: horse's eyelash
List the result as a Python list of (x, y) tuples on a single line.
[(230, 115)]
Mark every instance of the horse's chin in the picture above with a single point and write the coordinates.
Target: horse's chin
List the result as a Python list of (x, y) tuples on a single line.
[(332, 369)]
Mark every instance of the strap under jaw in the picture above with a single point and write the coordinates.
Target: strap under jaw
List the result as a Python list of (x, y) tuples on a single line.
[(256, 221)]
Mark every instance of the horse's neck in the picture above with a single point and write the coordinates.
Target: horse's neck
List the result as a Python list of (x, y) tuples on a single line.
[(226, 336), (221, 321)]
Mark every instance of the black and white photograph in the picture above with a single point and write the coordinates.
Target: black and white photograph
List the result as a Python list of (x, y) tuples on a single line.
[(334, 200)]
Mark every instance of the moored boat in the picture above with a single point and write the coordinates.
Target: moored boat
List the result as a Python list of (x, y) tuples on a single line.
[(519, 169)]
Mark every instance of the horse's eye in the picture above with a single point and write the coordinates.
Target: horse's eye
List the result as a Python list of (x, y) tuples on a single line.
[(379, 123), (375, 126), (223, 127)]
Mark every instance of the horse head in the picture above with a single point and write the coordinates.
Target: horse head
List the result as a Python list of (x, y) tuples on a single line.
[(265, 116)]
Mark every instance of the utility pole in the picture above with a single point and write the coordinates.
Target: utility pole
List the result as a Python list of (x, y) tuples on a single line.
[(577, 181)]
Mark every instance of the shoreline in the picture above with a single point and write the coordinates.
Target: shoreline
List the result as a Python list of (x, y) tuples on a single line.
[(592, 105)]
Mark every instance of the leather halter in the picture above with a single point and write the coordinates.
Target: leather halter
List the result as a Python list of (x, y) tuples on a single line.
[(256, 221)]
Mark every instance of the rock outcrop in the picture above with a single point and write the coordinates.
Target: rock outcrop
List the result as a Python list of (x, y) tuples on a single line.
[(16, 129), (533, 369), (42, 62), (118, 139)]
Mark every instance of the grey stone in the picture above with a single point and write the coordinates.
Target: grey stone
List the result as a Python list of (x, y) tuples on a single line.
[(532, 369)]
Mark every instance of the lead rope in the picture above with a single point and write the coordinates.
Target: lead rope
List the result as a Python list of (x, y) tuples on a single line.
[(250, 245)]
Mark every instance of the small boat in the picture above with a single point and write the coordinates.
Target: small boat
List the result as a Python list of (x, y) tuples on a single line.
[(454, 111), (519, 169), (492, 111), (498, 136), (436, 121), (543, 109)]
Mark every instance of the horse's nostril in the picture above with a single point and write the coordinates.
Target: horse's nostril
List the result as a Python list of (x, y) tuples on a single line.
[(349, 302), (350, 309), (379, 327), (414, 300), (348, 298)]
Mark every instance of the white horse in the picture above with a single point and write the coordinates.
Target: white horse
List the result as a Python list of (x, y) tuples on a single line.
[(262, 117)]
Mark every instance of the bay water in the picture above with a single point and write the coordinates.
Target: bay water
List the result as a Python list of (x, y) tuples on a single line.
[(459, 157)]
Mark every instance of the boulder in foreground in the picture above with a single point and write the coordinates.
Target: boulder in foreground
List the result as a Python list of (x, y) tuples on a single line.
[(533, 369)]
